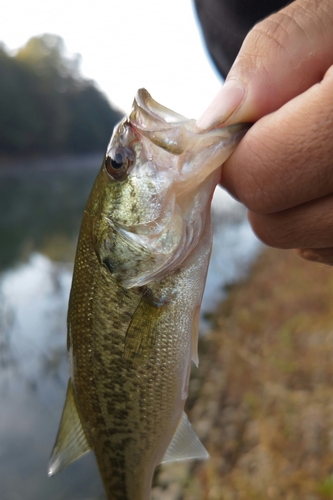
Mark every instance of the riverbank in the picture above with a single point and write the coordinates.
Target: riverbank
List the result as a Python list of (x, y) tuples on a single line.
[(12, 165), (262, 399)]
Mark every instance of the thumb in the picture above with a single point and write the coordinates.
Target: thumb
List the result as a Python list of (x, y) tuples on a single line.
[(280, 58)]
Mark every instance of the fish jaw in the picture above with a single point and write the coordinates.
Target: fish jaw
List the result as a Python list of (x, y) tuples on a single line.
[(193, 153)]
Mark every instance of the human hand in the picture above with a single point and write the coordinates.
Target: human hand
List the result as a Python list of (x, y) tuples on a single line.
[(282, 170)]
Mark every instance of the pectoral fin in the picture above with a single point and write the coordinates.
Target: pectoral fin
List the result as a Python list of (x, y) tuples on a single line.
[(185, 444), (140, 336), (71, 442)]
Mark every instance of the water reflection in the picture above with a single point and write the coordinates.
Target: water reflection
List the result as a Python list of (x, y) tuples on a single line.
[(41, 207), (39, 210), (34, 374), (40, 213), (33, 295)]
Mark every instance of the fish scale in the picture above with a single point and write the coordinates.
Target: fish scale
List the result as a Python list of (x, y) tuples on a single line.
[(133, 315)]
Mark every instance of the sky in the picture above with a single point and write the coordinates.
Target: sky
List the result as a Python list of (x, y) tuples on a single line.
[(125, 45)]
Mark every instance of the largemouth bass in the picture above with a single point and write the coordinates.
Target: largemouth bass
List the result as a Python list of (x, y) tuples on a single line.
[(134, 306)]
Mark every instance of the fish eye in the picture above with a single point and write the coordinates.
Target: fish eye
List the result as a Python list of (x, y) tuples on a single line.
[(118, 160)]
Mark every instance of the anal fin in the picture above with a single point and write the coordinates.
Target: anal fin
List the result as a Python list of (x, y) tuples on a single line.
[(185, 444), (71, 442)]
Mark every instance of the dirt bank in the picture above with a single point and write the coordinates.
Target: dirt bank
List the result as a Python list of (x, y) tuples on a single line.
[(262, 399)]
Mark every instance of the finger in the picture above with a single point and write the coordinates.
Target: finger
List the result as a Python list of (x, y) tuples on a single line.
[(306, 226), (281, 57), (321, 255), (286, 158)]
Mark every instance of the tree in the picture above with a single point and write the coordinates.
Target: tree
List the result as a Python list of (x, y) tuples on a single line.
[(45, 104)]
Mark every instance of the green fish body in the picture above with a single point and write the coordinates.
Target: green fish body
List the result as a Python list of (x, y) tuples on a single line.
[(139, 275)]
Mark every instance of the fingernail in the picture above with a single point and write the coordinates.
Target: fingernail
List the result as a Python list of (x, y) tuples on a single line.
[(225, 103)]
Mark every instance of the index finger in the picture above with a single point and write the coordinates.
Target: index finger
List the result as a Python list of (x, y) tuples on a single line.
[(286, 158)]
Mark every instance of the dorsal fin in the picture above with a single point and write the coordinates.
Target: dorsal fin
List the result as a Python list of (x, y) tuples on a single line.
[(185, 444), (71, 442)]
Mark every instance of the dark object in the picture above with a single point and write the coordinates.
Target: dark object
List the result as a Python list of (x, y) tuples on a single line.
[(225, 24)]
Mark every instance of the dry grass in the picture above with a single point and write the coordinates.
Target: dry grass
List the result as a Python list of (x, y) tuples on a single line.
[(262, 400)]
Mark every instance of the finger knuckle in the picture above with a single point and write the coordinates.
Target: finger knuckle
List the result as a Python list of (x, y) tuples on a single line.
[(270, 232), (275, 34), (259, 188)]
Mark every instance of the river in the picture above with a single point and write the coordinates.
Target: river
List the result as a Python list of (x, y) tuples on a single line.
[(41, 205)]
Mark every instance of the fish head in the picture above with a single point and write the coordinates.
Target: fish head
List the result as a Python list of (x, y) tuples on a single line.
[(154, 190)]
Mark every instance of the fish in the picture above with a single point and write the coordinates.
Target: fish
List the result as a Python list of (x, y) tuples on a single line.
[(134, 307)]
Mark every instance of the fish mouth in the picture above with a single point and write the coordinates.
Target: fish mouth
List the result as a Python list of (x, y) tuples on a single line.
[(179, 135), (191, 156), (163, 127), (147, 106)]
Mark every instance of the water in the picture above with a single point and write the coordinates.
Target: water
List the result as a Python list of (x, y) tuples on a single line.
[(40, 211)]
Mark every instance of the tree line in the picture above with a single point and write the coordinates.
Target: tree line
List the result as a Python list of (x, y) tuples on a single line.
[(46, 107)]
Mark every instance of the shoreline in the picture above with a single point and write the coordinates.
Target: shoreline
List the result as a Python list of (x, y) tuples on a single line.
[(13, 165)]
